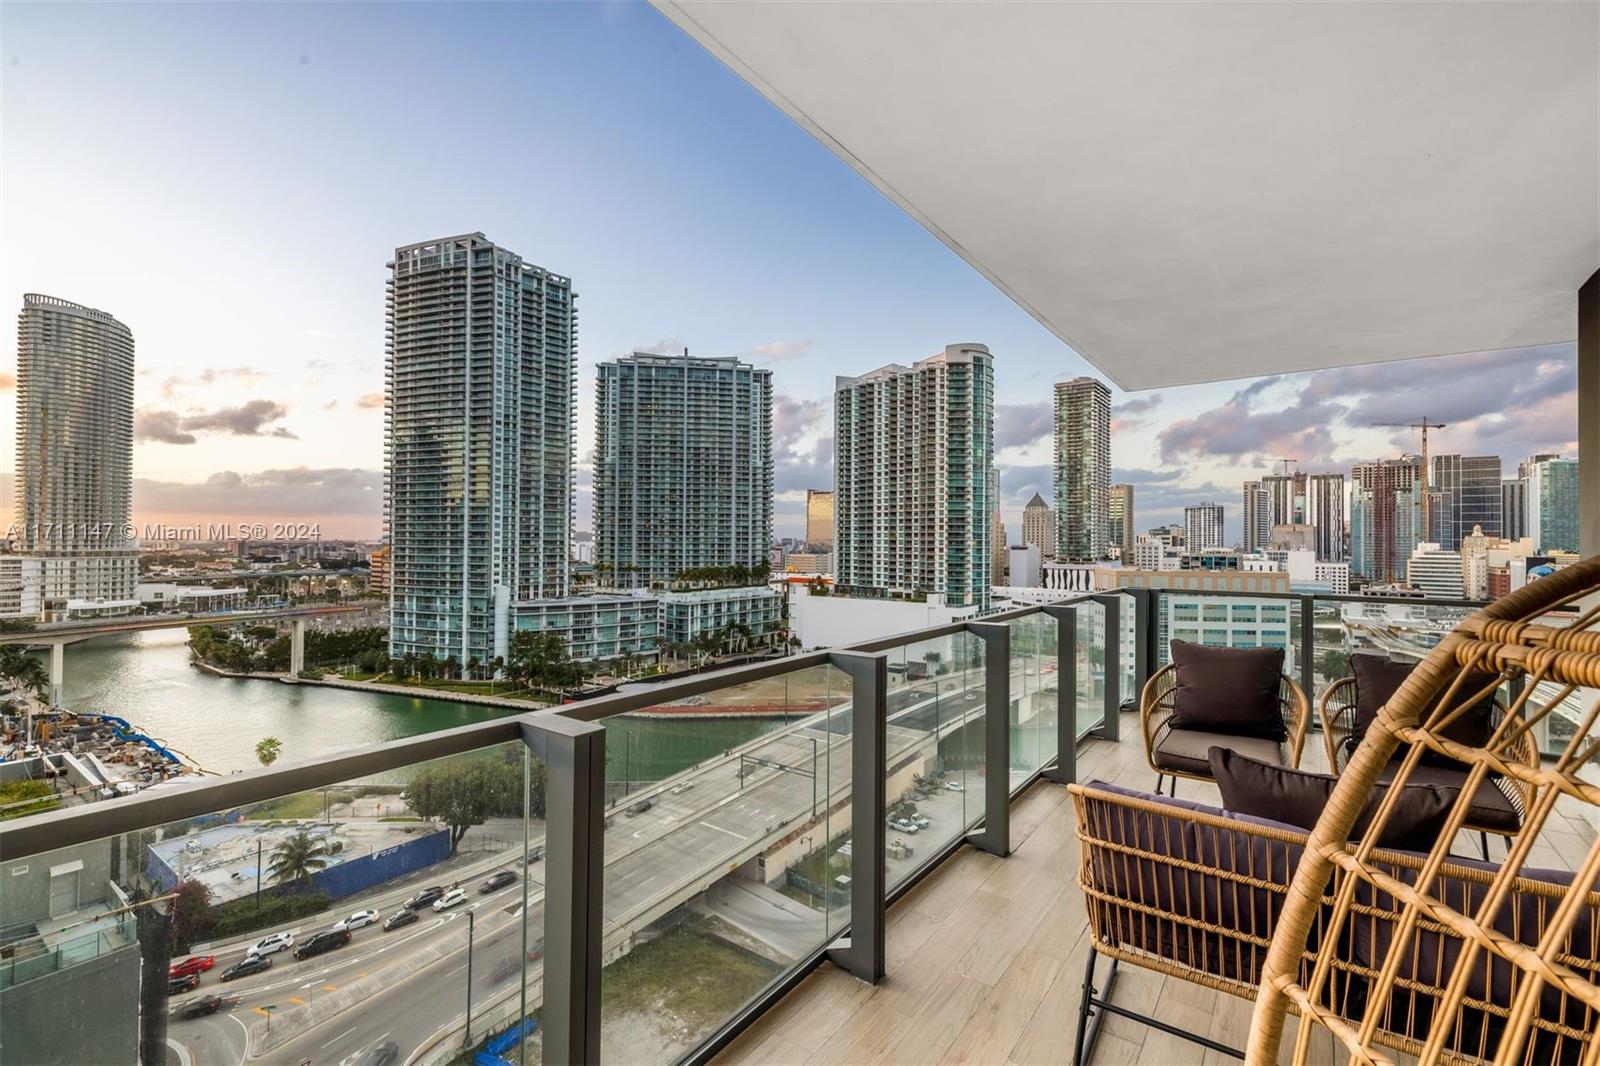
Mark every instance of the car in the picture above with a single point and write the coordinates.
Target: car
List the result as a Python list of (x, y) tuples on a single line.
[(845, 850), (425, 897), (200, 1007), (954, 786), (193, 964), (248, 965), (357, 920), (317, 943), (535, 853), (905, 825), (922, 820), (638, 809), (498, 879), (187, 983), (380, 1054), (271, 945), (687, 786), (453, 898), (403, 916)]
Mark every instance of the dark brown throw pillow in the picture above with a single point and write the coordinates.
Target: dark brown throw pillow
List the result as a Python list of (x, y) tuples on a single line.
[(1377, 680), (1228, 690), (1250, 786)]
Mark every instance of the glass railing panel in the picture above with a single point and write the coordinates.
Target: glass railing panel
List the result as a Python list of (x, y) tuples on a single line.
[(150, 936), (1091, 660), (727, 854), (1033, 695), (936, 747)]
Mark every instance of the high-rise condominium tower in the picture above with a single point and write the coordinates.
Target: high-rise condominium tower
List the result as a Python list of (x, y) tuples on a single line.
[(1553, 504), (1470, 485), (1257, 516), (1202, 526), (1039, 526), (1514, 507), (1286, 499), (1083, 469), (914, 460), (819, 518), (1119, 509), (1325, 515), (75, 453), (481, 348), (683, 467), (1385, 508)]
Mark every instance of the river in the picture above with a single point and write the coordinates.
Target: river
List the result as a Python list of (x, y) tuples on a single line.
[(216, 721)]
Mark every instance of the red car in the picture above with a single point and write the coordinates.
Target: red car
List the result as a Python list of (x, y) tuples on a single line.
[(193, 964)]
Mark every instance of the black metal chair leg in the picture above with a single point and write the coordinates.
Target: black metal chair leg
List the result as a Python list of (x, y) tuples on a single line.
[(1483, 842), (1083, 1003), (1158, 784)]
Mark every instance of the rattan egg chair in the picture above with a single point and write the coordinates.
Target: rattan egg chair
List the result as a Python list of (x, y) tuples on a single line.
[(1445, 960)]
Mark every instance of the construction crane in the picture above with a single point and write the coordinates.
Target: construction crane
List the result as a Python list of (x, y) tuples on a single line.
[(1287, 463), (1423, 425)]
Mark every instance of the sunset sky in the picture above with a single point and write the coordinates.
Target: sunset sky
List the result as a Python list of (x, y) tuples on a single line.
[(230, 180)]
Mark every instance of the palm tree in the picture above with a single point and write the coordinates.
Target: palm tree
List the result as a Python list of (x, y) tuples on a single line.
[(297, 858), (267, 749)]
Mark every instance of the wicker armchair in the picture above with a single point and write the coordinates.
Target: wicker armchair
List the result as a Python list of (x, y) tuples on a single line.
[(1501, 804), (1194, 893), (1179, 753), (1497, 977)]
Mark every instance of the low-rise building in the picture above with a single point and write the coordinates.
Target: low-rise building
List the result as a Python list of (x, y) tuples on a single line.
[(168, 596), (686, 615), (1436, 572), (597, 626)]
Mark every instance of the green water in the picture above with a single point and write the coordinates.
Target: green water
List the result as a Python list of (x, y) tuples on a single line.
[(216, 721)]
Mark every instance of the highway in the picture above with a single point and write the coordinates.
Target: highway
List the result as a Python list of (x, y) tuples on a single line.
[(409, 986), (52, 632)]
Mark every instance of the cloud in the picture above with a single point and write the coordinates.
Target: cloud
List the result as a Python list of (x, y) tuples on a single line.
[(776, 351), (664, 346), (160, 426), (1237, 430), (267, 495), (252, 419), (1124, 416), (370, 401), (802, 444), (238, 375), (1018, 425)]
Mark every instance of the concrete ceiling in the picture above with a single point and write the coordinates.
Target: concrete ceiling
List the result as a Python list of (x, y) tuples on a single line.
[(1200, 191)]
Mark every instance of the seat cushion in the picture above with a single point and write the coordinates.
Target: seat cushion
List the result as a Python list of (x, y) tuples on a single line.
[(1186, 750), (1378, 679), (1228, 690), (1491, 809), (1268, 790)]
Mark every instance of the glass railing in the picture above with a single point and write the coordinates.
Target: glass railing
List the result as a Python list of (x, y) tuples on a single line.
[(630, 878)]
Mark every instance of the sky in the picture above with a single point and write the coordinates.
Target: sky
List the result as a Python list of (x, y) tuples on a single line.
[(230, 180)]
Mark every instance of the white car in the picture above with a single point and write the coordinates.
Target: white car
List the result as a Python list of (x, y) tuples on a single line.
[(271, 945), (453, 898), (954, 786), (356, 920)]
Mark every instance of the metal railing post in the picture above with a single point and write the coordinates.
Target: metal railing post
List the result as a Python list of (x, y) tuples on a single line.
[(1065, 770), (995, 836), (1111, 728), (1144, 639), (574, 866), (1309, 649), (861, 952)]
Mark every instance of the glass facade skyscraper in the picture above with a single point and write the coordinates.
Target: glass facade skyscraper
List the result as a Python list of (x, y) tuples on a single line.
[(481, 349), (913, 466), (1385, 505), (1553, 505), (1324, 511), (683, 467), (1470, 485), (75, 454), (1083, 469)]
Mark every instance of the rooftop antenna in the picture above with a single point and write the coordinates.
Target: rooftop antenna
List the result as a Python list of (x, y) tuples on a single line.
[(1423, 425)]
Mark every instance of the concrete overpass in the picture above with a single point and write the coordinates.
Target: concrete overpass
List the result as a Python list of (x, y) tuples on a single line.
[(56, 636)]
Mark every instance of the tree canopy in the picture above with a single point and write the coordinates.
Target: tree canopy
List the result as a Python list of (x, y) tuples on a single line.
[(467, 792)]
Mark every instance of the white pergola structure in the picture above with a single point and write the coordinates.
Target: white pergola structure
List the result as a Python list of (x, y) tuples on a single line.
[(1192, 192)]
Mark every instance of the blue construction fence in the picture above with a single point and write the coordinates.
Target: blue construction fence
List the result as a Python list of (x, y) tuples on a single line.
[(342, 877)]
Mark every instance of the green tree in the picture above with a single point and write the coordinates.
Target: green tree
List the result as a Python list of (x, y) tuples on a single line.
[(267, 749), (297, 858), (1334, 663), (541, 660), (24, 670), (467, 792)]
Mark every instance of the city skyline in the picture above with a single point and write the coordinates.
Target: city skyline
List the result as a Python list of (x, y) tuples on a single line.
[(247, 410)]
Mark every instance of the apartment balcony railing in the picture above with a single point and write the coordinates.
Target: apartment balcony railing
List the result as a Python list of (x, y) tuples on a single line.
[(691, 873)]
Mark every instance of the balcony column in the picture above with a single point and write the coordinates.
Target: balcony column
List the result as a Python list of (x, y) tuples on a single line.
[(995, 836), (574, 754), (862, 953), (1065, 769), (58, 672), (1589, 417)]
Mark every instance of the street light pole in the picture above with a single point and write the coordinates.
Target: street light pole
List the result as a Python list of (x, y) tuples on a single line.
[(467, 1039), (258, 876)]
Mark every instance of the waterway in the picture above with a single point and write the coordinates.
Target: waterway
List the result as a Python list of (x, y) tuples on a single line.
[(216, 721)]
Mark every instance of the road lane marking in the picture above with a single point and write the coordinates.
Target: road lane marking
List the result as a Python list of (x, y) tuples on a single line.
[(264, 1013), (718, 828), (329, 988), (297, 1001), (341, 1036)]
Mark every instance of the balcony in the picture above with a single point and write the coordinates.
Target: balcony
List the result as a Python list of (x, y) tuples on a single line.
[(857, 854)]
